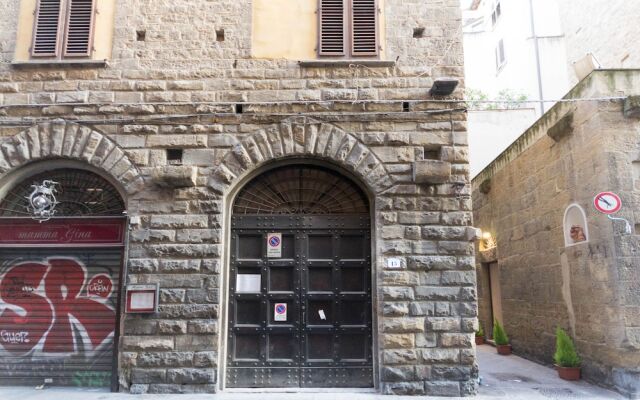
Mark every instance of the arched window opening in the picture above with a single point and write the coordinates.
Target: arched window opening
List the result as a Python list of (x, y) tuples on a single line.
[(301, 189), (78, 193)]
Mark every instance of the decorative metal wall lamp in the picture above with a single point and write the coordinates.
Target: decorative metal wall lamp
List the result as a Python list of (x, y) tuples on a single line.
[(42, 200)]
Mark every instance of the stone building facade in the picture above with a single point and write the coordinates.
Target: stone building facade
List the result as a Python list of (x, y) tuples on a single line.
[(185, 107), (534, 273)]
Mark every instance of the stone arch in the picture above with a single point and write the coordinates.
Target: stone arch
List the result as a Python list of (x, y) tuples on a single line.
[(299, 137), (68, 140)]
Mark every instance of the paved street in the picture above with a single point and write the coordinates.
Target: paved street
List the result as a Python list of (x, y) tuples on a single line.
[(510, 378), (515, 378)]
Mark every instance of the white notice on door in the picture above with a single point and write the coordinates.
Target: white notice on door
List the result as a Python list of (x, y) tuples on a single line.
[(248, 283), (274, 245), (322, 316)]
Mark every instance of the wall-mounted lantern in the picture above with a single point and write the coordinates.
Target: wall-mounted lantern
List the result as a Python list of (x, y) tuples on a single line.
[(488, 241)]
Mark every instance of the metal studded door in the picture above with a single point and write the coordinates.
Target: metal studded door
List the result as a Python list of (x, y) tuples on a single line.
[(300, 316)]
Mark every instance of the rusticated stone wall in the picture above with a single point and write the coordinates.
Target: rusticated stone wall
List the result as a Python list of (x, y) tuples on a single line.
[(183, 60), (426, 310)]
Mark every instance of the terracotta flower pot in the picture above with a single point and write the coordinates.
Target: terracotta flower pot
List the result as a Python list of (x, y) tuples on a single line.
[(479, 340), (568, 373), (504, 349)]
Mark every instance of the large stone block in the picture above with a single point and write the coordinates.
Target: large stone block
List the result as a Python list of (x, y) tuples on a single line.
[(139, 375), (395, 357), (431, 171), (175, 175), (439, 356), (179, 221), (397, 293), (205, 359), (443, 324), (398, 374), (191, 375), (437, 293), (404, 388), (450, 389), (398, 341), (403, 325), (164, 359), (147, 343)]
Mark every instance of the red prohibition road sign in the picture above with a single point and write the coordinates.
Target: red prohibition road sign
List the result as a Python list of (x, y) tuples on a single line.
[(607, 202)]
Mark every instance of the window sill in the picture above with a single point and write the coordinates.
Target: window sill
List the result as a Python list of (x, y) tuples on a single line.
[(345, 63), (59, 63)]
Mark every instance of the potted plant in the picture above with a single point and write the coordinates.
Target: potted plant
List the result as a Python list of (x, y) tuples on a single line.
[(501, 339), (566, 358), (479, 335)]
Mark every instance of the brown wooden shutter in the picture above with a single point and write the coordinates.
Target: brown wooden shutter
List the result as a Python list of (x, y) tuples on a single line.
[(46, 32), (332, 27), (364, 33), (79, 28)]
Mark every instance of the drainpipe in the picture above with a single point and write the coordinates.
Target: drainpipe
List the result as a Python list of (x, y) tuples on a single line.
[(537, 52)]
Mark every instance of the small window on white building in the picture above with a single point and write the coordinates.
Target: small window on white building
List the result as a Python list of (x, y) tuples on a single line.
[(500, 55), (496, 12), (575, 226)]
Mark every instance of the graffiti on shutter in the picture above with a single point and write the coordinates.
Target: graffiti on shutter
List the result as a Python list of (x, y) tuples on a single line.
[(45, 326)]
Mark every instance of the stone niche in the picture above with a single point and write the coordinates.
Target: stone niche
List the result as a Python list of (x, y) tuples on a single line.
[(575, 228)]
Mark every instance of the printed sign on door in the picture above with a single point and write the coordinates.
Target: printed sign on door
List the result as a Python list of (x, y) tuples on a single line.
[(274, 245), (280, 312)]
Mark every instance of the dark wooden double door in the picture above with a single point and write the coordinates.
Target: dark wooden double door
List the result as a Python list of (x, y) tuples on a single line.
[(301, 318)]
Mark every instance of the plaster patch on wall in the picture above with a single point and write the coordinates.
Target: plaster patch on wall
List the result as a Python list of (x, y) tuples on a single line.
[(566, 291)]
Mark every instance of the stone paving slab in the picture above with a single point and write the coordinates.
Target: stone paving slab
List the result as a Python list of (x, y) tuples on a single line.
[(511, 378)]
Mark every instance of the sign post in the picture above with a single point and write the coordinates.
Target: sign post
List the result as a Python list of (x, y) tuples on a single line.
[(610, 203), (607, 203)]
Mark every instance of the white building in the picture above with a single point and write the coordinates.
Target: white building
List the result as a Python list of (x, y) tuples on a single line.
[(507, 49), (528, 49)]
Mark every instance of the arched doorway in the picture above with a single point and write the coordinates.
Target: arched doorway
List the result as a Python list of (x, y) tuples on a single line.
[(60, 273), (300, 311)]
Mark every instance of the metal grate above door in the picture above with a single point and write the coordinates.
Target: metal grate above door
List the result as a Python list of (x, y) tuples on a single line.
[(79, 193), (301, 189)]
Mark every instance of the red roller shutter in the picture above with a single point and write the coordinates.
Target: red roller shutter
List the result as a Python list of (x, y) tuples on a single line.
[(59, 299)]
